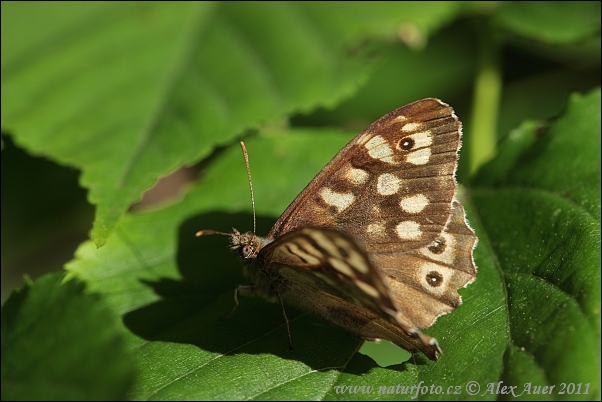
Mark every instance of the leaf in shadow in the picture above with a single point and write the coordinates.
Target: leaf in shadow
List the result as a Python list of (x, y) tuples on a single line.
[(60, 343)]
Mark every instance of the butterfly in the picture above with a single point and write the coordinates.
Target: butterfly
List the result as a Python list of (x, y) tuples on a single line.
[(376, 243)]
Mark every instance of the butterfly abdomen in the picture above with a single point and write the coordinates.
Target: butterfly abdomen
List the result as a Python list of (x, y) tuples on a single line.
[(267, 281)]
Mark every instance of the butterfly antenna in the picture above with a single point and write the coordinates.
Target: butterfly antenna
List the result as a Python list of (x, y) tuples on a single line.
[(244, 152), (205, 232)]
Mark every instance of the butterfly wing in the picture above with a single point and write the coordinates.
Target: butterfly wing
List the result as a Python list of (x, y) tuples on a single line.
[(328, 261), (326, 272), (425, 282), (391, 188)]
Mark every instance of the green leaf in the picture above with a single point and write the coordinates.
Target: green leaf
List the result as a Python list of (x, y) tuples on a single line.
[(559, 22), (128, 92), (59, 343), (539, 204), (44, 216), (560, 31), (172, 288), (162, 94)]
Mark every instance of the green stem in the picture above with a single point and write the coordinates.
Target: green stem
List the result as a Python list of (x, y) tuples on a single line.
[(487, 94)]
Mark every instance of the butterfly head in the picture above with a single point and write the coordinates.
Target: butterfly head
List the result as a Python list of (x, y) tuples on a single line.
[(246, 245)]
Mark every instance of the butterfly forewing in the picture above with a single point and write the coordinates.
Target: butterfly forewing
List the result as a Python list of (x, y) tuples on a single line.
[(361, 321), (331, 262), (391, 187), (326, 272)]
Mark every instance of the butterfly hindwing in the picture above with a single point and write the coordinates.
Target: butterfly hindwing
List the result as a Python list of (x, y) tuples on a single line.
[(362, 322), (425, 282)]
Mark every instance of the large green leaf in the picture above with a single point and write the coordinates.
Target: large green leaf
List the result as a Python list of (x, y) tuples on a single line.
[(560, 22), (171, 287), (128, 92), (541, 206)]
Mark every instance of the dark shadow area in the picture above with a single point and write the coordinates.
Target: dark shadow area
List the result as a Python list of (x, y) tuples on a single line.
[(193, 310), (45, 215)]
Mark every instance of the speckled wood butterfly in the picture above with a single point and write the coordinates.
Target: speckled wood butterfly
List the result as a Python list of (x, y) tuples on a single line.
[(376, 243)]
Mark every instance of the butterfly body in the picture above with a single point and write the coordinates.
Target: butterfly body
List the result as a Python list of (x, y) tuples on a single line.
[(376, 243)]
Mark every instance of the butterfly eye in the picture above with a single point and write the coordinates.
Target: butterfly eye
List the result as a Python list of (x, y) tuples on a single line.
[(405, 144), (246, 250)]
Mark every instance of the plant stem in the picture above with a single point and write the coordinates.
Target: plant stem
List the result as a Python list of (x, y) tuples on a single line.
[(487, 94)]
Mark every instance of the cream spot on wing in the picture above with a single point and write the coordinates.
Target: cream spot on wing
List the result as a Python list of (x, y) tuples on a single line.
[(378, 148), (401, 118), (375, 142), (353, 258), (434, 278), (304, 244), (324, 242), (408, 230), (376, 228), (419, 157), (387, 184), (342, 267), (410, 127), (442, 249), (414, 204), (302, 253), (368, 289), (363, 138), (356, 176), (341, 201), (422, 139), (358, 263)]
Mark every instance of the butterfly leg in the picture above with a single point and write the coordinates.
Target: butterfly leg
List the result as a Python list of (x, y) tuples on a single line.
[(288, 329), (236, 289)]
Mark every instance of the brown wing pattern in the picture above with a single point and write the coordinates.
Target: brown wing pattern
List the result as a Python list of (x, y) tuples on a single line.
[(424, 283), (329, 261), (326, 272), (391, 188), (376, 243)]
